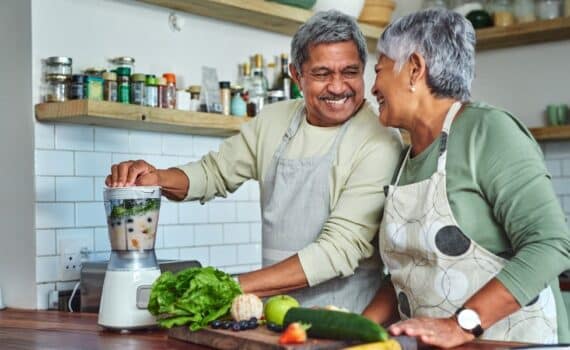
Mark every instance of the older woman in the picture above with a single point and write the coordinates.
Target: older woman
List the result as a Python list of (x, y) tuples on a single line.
[(473, 235)]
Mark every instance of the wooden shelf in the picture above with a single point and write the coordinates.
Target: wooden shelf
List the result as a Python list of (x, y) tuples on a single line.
[(551, 133), (118, 115), (260, 14), (524, 34)]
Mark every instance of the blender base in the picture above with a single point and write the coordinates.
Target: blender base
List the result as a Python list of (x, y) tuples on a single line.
[(124, 299)]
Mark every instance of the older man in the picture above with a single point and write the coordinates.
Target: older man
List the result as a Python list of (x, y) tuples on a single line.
[(321, 163)]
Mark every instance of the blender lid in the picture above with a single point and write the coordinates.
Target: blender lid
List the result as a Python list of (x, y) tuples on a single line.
[(132, 192)]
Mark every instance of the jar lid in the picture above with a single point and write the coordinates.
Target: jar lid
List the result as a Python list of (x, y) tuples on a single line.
[(224, 84), (110, 76), (56, 77), (195, 89), (123, 60), (58, 60), (150, 79), (161, 81), (91, 78), (170, 77), (138, 77), (94, 71), (78, 78), (124, 71)]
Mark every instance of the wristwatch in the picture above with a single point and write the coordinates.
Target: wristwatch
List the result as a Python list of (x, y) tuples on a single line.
[(469, 321)]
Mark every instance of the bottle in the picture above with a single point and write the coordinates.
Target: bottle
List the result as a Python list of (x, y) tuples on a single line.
[(110, 86), (150, 91), (123, 84), (137, 88), (225, 96), (238, 105), (258, 92), (283, 81), (246, 80), (194, 98), (170, 90), (161, 92)]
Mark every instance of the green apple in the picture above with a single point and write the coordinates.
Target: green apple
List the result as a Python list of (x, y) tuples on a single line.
[(277, 306)]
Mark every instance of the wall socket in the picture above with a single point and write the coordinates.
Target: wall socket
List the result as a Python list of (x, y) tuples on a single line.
[(69, 259)]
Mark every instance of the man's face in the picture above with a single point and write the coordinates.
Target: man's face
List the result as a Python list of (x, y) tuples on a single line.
[(332, 81)]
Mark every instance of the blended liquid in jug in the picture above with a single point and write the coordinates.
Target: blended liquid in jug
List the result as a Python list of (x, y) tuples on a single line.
[(132, 223)]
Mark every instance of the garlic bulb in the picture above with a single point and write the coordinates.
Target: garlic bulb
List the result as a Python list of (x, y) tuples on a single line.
[(246, 306)]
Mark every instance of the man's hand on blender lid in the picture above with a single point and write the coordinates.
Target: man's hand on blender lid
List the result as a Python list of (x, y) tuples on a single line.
[(131, 173)]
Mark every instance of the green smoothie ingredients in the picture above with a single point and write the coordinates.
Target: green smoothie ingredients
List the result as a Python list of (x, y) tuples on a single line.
[(193, 297)]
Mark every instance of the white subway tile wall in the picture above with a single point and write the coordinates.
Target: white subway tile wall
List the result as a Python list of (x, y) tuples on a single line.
[(72, 162)]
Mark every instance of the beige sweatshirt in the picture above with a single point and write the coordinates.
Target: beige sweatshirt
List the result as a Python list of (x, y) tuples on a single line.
[(365, 162)]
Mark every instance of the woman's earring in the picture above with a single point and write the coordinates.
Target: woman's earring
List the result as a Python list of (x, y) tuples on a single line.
[(412, 88)]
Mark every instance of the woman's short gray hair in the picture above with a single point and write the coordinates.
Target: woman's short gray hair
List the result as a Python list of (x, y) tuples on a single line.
[(445, 39), (326, 27)]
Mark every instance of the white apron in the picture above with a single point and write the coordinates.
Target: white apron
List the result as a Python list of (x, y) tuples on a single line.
[(435, 267), (295, 203)]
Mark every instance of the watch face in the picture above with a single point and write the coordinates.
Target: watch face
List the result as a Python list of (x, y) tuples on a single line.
[(468, 319)]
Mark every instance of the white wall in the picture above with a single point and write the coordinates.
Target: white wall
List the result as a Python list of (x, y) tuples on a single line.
[(17, 262)]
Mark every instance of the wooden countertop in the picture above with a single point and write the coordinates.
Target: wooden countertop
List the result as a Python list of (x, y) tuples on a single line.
[(26, 330)]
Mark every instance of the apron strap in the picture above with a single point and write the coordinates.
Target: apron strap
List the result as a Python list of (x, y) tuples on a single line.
[(408, 152), (442, 160)]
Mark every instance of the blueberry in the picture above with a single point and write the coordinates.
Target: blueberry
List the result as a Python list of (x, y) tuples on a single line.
[(274, 327), (253, 319), (226, 324), (216, 324), (252, 324), (236, 327), (243, 325)]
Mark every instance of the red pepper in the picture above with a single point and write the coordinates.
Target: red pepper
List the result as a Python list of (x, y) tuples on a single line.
[(296, 333)]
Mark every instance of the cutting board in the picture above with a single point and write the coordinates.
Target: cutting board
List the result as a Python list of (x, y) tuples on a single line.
[(254, 339), (261, 338)]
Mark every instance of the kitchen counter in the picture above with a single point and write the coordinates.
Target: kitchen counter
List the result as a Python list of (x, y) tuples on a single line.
[(27, 330)]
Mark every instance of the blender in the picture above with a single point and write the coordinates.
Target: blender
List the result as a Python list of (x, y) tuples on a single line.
[(132, 219)]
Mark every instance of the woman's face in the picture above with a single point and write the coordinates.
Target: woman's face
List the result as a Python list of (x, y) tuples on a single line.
[(392, 91)]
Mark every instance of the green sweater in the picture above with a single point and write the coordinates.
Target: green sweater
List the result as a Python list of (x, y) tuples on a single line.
[(502, 197)]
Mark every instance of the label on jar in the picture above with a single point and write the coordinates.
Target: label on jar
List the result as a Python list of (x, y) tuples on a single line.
[(151, 96), (76, 92), (123, 92)]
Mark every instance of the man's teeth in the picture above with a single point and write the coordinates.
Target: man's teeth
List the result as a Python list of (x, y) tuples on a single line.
[(336, 102)]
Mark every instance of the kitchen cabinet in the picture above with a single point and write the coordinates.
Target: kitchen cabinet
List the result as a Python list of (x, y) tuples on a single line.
[(128, 116), (286, 19)]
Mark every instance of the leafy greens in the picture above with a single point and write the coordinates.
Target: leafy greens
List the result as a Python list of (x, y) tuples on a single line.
[(194, 297)]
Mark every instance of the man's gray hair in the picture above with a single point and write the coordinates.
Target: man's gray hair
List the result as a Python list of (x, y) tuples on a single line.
[(326, 27), (445, 39)]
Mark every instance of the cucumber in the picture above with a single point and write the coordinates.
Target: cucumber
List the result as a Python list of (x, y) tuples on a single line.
[(336, 325)]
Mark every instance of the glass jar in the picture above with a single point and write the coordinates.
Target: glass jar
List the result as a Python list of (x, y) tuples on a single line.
[(434, 4), (110, 86), (170, 95), (77, 90), (93, 88), (56, 88), (225, 97), (94, 72), (150, 91), (194, 98), (548, 9), (123, 84), (123, 62), (502, 13), (137, 88), (58, 65), (524, 11), (161, 92), (464, 7), (238, 105)]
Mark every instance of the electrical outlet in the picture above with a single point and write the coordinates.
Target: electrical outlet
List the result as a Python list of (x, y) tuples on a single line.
[(69, 260)]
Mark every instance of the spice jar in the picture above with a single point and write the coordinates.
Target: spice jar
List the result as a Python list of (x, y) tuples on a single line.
[(502, 13), (170, 88), (93, 88), (182, 100), (161, 92), (110, 86), (137, 88), (56, 88), (150, 91), (524, 11), (225, 96), (123, 84), (94, 72), (548, 9), (58, 65), (194, 98), (77, 90)]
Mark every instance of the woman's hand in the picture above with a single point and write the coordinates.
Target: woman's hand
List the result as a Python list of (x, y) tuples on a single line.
[(440, 332)]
